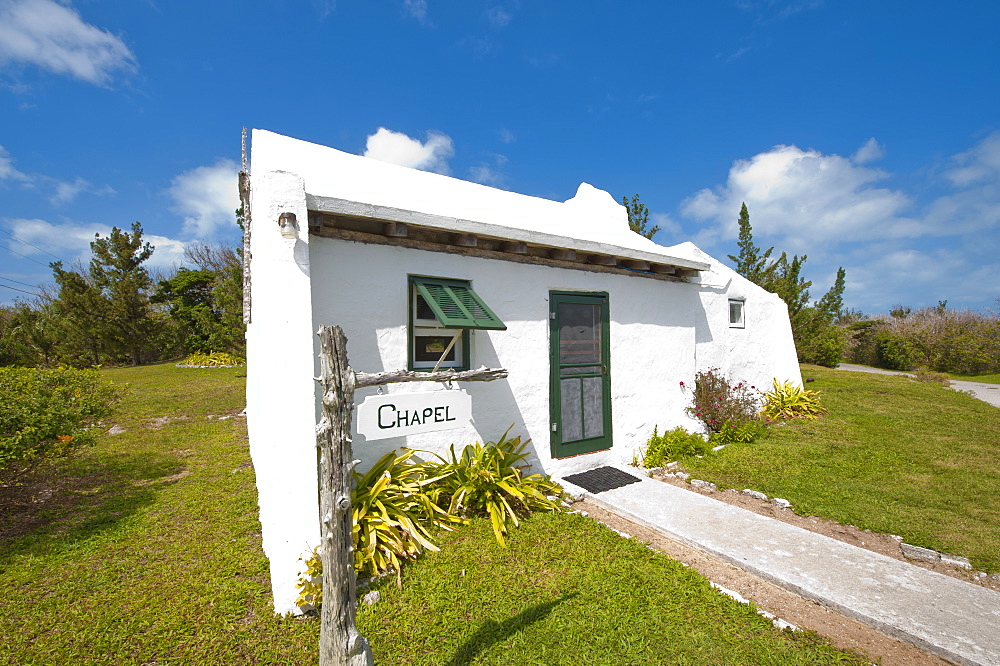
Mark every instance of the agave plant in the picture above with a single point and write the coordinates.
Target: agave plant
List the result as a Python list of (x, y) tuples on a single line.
[(486, 479), (394, 512), (788, 401)]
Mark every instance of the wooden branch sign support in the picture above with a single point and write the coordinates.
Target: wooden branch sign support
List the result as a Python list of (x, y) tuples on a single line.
[(340, 643)]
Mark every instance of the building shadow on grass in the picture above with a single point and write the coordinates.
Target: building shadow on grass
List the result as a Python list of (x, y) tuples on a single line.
[(63, 502), (491, 632)]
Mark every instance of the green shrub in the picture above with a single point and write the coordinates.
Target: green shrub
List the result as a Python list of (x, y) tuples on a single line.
[(733, 433), (824, 346), (788, 401), (487, 480), (924, 374), (959, 342), (215, 359), (394, 511), (671, 445), (397, 504), (969, 347), (861, 343), (717, 402), (310, 584), (48, 413), (894, 351)]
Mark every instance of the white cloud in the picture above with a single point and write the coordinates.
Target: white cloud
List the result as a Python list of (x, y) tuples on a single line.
[(207, 197), (895, 249), (66, 192), (54, 37), (498, 17), (325, 7), (871, 151), (884, 276), (71, 241), (738, 53), (398, 148), (769, 11), (975, 205), (507, 136), (169, 252), (490, 173), (978, 165), (7, 170), (668, 226), (805, 197), (416, 8)]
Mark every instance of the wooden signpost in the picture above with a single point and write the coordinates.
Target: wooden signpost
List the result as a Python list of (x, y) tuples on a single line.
[(340, 643)]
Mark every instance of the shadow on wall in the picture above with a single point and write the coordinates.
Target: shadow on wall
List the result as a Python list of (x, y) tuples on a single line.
[(494, 410), (702, 329)]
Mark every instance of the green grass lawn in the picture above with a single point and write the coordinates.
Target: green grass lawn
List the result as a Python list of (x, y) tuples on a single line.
[(986, 379), (568, 591), (147, 551), (892, 455)]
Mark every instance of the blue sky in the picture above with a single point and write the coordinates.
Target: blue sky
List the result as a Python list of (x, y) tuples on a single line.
[(864, 134)]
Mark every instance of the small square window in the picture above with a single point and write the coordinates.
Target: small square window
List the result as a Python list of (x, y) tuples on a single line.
[(429, 339), (442, 312), (736, 314)]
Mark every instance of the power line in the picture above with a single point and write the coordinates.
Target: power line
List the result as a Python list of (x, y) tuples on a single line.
[(21, 240), (33, 286), (29, 258), (23, 291)]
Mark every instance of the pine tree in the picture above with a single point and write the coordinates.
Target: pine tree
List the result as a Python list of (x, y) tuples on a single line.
[(817, 339), (638, 217), (751, 264), (107, 307)]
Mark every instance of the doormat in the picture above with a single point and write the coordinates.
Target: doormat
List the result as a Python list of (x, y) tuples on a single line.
[(599, 479)]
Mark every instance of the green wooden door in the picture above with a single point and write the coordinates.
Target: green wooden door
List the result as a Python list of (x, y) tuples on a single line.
[(580, 383)]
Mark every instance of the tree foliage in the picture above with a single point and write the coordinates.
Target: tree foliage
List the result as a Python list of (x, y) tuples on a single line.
[(751, 262), (817, 338), (108, 312), (105, 310), (207, 302), (945, 340), (226, 265), (638, 217)]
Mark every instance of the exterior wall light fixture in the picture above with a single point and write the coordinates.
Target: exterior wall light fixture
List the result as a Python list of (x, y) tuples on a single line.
[(288, 225)]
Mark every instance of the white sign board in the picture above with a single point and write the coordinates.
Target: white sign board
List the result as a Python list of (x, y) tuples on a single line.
[(384, 416)]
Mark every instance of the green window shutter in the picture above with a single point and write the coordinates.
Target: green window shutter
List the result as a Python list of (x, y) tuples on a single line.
[(455, 304)]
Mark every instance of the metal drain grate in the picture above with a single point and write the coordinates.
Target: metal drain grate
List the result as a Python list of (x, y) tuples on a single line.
[(599, 479)]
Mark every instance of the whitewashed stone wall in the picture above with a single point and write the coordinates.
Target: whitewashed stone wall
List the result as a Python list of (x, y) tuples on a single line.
[(661, 332)]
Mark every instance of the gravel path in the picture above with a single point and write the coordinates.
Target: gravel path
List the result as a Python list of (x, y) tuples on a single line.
[(989, 393)]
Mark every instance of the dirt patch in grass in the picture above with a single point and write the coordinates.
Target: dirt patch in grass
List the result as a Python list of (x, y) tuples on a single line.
[(161, 421), (885, 544), (843, 632), (42, 499)]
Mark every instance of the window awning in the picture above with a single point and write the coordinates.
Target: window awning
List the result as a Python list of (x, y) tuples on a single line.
[(456, 306)]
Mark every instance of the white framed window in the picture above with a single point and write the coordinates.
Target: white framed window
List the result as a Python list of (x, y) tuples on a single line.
[(736, 313), (442, 312), (429, 339)]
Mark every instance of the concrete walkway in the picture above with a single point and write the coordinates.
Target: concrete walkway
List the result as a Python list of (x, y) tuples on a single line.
[(986, 392), (943, 615)]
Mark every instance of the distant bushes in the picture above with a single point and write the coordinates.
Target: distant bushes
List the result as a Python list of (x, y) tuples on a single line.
[(213, 360), (48, 413), (959, 342)]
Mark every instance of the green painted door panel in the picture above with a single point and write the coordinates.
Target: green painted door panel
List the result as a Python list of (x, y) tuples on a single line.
[(580, 379)]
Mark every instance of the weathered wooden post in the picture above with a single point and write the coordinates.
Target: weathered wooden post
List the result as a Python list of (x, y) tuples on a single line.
[(340, 643)]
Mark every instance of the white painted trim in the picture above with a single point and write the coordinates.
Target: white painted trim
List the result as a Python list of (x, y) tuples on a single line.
[(440, 222)]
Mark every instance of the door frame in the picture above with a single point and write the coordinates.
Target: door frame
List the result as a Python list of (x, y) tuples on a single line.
[(591, 445)]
